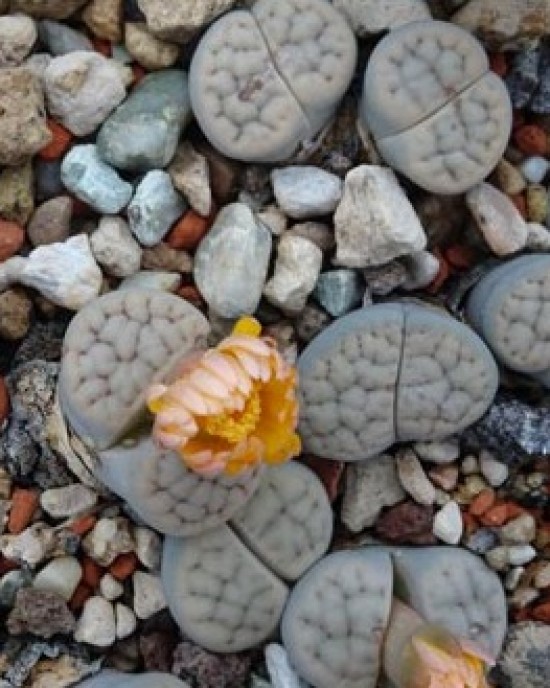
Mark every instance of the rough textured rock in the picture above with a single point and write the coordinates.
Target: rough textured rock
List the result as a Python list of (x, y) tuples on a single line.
[(374, 16), (41, 613), (96, 624), (284, 88), (231, 262), (339, 291), (151, 52), (142, 134), (114, 247), (391, 372), (190, 176), (447, 128), (49, 9), (73, 83), (525, 661), (174, 20), (17, 193), (210, 670), (304, 191), (51, 221), (17, 37), (15, 314), (104, 19), (375, 222), (407, 523)]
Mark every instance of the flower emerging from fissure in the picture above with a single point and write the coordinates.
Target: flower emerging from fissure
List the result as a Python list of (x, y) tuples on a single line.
[(231, 407)]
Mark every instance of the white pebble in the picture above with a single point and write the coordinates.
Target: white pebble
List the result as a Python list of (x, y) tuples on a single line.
[(513, 577), (60, 575), (71, 500), (306, 191), (148, 594), (534, 169), (519, 531), (126, 621), (495, 472), (444, 451), (447, 525), (470, 465), (521, 554), (148, 547), (110, 588), (413, 479), (282, 675), (96, 625)]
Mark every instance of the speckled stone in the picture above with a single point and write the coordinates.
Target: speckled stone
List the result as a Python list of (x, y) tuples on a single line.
[(339, 291)]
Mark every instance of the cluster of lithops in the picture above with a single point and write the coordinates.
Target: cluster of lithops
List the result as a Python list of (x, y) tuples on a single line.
[(510, 309), (437, 113), (262, 81), (391, 373)]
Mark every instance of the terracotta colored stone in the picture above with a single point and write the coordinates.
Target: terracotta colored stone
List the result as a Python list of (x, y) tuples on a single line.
[(83, 525), (12, 237), (91, 572), (188, 232), (23, 506), (80, 595), (498, 64), (60, 143), (7, 565), (541, 612), (190, 293), (531, 140), (328, 471), (460, 256), (482, 502), (124, 565), (407, 523), (442, 276), (4, 401), (102, 46), (470, 523), (520, 202)]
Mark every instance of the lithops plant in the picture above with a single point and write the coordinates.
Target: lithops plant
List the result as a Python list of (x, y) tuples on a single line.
[(391, 373), (116, 679), (437, 112), (337, 621), (510, 309), (262, 81), (221, 586)]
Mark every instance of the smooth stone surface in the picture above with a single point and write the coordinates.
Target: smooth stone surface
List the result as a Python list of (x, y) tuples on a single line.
[(94, 182), (148, 594), (68, 501), (535, 168), (108, 678), (231, 262), (374, 16), (151, 52), (17, 36), (448, 525), (51, 221), (61, 39), (413, 479), (179, 20), (306, 191), (155, 207), (190, 176), (498, 219), (96, 624), (153, 280), (61, 575), (375, 222), (339, 291), (297, 268), (142, 134), (422, 268), (82, 88), (114, 247)]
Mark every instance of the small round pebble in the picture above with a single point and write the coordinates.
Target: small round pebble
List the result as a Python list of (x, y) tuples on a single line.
[(97, 625), (60, 575), (535, 168), (447, 525)]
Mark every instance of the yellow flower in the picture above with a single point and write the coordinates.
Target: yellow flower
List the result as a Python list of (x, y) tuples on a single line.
[(436, 659), (230, 407)]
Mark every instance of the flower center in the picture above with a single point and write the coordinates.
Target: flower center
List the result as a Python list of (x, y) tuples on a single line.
[(235, 426)]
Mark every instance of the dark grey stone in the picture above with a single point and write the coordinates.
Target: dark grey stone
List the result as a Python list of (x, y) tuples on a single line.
[(523, 78)]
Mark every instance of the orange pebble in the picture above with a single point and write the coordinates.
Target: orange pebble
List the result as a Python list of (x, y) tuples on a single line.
[(83, 525), (513, 510), (4, 401), (531, 140), (80, 595), (461, 257), (187, 233), (123, 566), (520, 202), (91, 572), (102, 46), (482, 502), (498, 64), (23, 506), (541, 612), (12, 237), (60, 143), (470, 523), (497, 515)]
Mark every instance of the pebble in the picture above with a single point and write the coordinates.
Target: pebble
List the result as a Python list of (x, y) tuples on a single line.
[(190, 176), (152, 279), (72, 83), (51, 9), (12, 237), (541, 102), (519, 531), (148, 594), (10, 583), (114, 247), (369, 487), (375, 222), (311, 322), (40, 612), (482, 540), (148, 547), (231, 262), (498, 220), (51, 221), (126, 621), (318, 232), (542, 576), (447, 525), (368, 17), (538, 238), (274, 219), (413, 479), (180, 20), (306, 191), (444, 476), (31, 546), (521, 554), (535, 169), (70, 500), (523, 597), (297, 268), (17, 193), (513, 577), (407, 523), (151, 52), (498, 558), (509, 178), (93, 181), (96, 625), (61, 575), (495, 472), (47, 179), (108, 538), (15, 314), (37, 63), (537, 203), (523, 78), (61, 39), (142, 134), (110, 588), (280, 672), (164, 257), (154, 208), (104, 19), (17, 36), (422, 269), (469, 465), (339, 291), (65, 273)]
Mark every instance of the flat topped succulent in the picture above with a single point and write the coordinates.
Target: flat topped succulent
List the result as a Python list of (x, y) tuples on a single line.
[(510, 309), (437, 113), (265, 80), (391, 373)]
